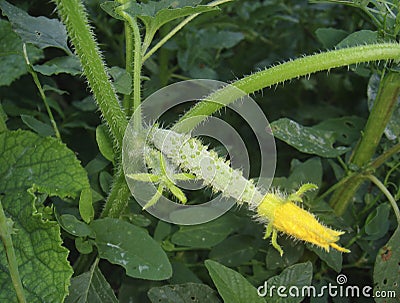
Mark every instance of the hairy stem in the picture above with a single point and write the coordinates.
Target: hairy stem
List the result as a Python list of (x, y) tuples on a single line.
[(286, 71), (75, 18), (118, 198), (41, 92), (5, 235), (136, 66), (378, 119)]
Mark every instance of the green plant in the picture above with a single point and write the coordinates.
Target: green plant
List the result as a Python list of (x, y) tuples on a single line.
[(45, 191)]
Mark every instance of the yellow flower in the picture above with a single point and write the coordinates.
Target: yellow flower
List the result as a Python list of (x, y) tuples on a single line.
[(283, 215)]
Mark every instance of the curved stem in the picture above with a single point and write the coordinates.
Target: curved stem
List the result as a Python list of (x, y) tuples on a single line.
[(5, 235), (388, 195), (286, 71), (135, 97)]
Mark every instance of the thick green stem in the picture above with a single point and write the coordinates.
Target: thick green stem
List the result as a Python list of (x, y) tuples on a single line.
[(378, 119), (75, 18), (41, 92), (286, 71), (5, 235), (118, 198)]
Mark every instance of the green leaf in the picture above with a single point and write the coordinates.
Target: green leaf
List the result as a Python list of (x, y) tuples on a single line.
[(329, 37), (377, 223), (84, 246), (156, 14), (295, 276), (307, 139), (12, 62), (206, 234), (361, 37), (235, 250), (86, 209), (231, 285), (183, 293), (392, 130), (86, 105), (333, 258), (105, 143), (347, 130), (39, 127), (75, 227), (131, 247), (30, 164), (91, 287), (3, 120), (122, 80), (40, 31), (182, 274), (386, 270), (303, 172), (67, 64), (293, 252)]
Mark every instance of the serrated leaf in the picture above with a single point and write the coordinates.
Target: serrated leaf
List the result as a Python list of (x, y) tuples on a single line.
[(91, 287), (68, 65), (307, 139), (39, 127), (183, 293), (231, 285), (105, 142), (131, 247), (40, 31), (235, 250), (206, 234), (12, 62), (295, 276), (392, 130), (29, 164), (386, 270)]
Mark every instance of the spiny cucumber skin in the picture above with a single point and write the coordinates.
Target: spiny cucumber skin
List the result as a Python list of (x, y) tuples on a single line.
[(191, 155)]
